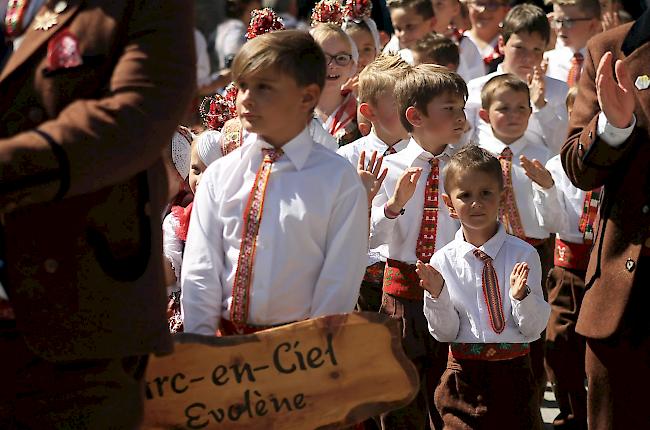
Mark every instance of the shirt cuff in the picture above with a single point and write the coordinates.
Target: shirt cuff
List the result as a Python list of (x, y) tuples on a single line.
[(442, 300), (613, 136)]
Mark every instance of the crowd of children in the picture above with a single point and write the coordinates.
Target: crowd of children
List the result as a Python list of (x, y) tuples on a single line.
[(431, 163)]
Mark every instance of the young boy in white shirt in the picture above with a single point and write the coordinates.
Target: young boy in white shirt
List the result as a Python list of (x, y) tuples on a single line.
[(376, 98), (575, 21), (484, 295), (409, 222), (523, 41), (279, 227)]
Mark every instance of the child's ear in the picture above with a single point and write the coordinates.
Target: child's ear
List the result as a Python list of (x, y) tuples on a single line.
[(413, 116), (310, 97), (452, 211), (483, 114), (366, 110)]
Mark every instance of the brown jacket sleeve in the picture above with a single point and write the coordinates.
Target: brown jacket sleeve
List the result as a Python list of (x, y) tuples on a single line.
[(103, 141)]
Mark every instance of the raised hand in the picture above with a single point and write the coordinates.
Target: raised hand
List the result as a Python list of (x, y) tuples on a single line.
[(430, 279), (371, 175), (536, 172), (518, 280), (537, 86), (616, 99), (405, 188)]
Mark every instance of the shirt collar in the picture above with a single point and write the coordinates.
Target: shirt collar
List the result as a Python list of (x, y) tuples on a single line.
[(297, 149), (380, 146), (495, 146), (491, 247), (413, 151)]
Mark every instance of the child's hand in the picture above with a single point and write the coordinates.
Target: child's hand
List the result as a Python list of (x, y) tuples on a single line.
[(405, 188), (372, 175), (616, 99), (351, 85), (610, 19), (537, 86), (518, 279), (430, 279), (537, 172)]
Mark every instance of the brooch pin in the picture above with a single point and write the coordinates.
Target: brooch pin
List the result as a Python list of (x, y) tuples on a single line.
[(45, 21), (642, 82)]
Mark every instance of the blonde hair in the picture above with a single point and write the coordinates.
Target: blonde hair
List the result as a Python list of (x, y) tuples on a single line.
[(380, 76), (506, 81), (325, 30), (422, 84)]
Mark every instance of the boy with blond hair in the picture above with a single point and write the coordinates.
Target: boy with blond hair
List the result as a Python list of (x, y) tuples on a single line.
[(377, 103), (256, 256), (408, 224), (575, 22), (484, 295)]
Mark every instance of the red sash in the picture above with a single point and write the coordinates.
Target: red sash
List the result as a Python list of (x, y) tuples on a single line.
[(400, 280), (488, 351), (571, 255)]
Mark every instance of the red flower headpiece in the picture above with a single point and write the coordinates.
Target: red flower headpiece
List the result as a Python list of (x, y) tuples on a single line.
[(327, 11), (263, 21), (357, 10), (220, 110), (231, 97)]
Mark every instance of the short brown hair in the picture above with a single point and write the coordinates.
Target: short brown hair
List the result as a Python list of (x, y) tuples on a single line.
[(292, 52), (472, 158), (423, 8), (505, 81), (590, 7), (422, 84), (438, 49), (381, 75), (526, 18)]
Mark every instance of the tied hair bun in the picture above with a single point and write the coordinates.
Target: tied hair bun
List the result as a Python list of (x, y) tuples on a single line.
[(357, 10), (327, 11), (263, 21)]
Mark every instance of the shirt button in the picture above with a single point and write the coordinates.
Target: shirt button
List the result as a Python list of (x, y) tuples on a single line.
[(645, 209), (630, 264), (50, 265), (36, 115)]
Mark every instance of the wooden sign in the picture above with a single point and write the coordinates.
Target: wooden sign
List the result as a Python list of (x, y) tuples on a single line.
[(324, 373)]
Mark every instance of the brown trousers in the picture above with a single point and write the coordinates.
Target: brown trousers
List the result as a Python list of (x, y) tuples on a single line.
[(478, 394), (429, 357), (81, 394), (565, 349)]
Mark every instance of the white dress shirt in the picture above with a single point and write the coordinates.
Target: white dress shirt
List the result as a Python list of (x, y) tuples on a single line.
[(392, 47), (487, 49), (460, 313), (547, 126), (470, 62), (202, 59), (400, 235), (311, 247), (559, 62), (522, 184), (173, 245), (352, 152)]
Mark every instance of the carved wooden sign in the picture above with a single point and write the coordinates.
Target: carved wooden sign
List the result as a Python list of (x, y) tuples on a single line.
[(324, 373)]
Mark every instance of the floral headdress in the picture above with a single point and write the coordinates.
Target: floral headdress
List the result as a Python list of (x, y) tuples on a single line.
[(327, 11), (359, 11), (263, 21)]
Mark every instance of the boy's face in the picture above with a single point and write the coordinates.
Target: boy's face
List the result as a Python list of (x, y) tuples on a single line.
[(486, 14), (522, 53), (508, 114), (335, 47), (197, 168), (386, 115), (366, 46), (473, 197), (271, 104), (573, 26), (445, 11), (409, 26), (444, 121)]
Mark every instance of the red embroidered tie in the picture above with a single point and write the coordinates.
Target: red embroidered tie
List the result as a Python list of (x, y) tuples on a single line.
[(491, 292), (252, 219), (575, 70), (14, 17), (508, 213), (589, 215), (427, 238), (390, 150)]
